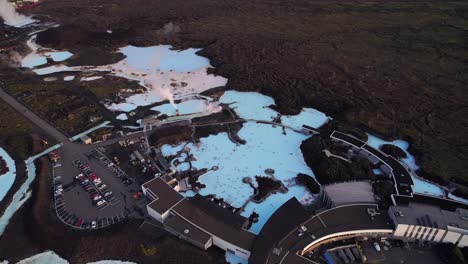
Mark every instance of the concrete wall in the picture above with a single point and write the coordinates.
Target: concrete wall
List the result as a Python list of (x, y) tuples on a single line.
[(226, 246), (205, 246), (451, 237), (400, 230), (463, 241), (156, 215), (440, 233), (348, 234)]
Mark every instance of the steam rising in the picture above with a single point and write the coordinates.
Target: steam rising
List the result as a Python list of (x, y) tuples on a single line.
[(152, 81), (11, 17)]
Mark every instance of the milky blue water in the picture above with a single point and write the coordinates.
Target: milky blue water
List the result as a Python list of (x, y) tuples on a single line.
[(7, 179), (421, 186), (456, 198), (33, 60), (50, 257), (409, 160), (59, 56), (377, 171), (275, 151), (308, 116), (78, 136), (163, 58), (20, 197), (233, 259), (122, 117), (266, 148), (250, 105), (47, 257)]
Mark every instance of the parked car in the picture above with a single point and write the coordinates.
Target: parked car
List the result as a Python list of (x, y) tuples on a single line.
[(377, 247), (79, 223), (93, 224), (108, 193), (100, 203), (97, 181)]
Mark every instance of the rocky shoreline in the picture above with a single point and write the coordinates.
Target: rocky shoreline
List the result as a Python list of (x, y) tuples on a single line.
[(375, 86), (3, 166)]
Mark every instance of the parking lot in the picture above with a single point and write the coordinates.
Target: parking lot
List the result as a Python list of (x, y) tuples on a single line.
[(90, 191), (399, 252)]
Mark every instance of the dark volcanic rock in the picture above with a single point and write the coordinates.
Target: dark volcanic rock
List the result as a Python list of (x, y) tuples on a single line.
[(393, 150), (309, 182), (398, 69), (329, 170)]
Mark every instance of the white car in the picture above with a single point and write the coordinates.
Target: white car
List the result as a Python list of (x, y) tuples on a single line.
[(93, 224), (377, 246), (97, 181), (102, 186), (101, 203)]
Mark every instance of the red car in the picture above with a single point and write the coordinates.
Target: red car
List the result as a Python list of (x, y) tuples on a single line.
[(79, 223), (93, 174), (93, 177)]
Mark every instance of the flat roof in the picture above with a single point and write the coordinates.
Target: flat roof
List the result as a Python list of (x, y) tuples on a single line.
[(375, 152), (290, 215), (402, 177), (444, 204), (350, 139), (430, 215), (399, 171), (213, 225), (166, 196), (181, 226), (339, 219), (350, 192)]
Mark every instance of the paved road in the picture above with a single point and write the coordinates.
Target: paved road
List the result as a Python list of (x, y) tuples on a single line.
[(35, 119), (52, 131)]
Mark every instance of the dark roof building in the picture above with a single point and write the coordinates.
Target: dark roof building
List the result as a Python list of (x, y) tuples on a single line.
[(215, 224), (290, 215), (333, 224), (164, 196), (198, 220)]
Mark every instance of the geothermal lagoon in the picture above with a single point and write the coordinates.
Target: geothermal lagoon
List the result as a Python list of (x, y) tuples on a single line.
[(267, 147)]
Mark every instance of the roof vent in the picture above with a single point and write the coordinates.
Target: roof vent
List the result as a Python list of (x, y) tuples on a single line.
[(186, 231)]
